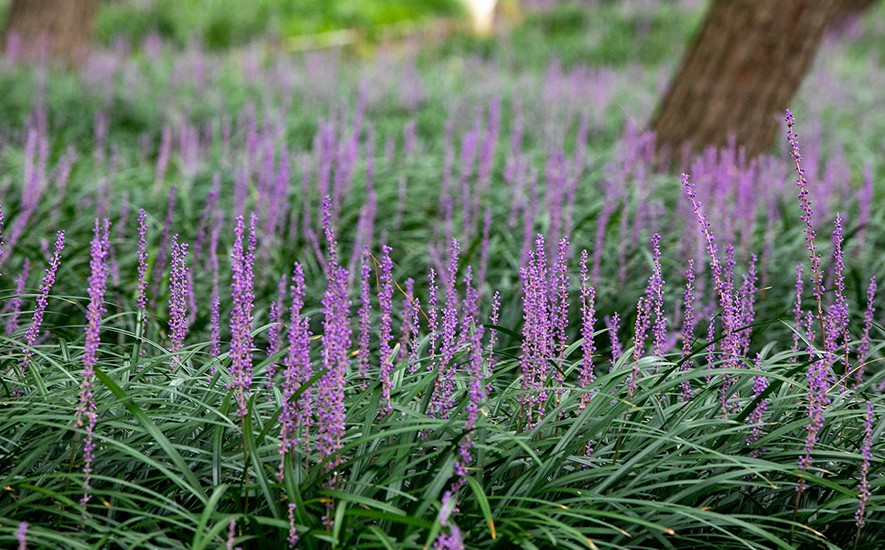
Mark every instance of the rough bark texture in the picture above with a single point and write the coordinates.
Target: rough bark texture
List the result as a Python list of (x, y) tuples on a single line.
[(64, 27), (742, 71)]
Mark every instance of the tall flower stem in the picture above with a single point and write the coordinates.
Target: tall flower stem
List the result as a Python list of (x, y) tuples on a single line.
[(805, 204)]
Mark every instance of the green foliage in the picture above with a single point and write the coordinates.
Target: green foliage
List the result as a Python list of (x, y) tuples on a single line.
[(226, 23)]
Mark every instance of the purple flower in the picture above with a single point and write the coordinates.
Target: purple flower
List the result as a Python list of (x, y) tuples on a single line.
[(484, 254), (365, 316), (493, 333), (163, 157), (640, 331), (178, 291), (293, 536), (335, 357), (613, 325), (747, 313), (760, 383), (206, 215), (537, 334), (817, 397), (655, 294), (160, 260), (385, 306), (295, 411), (840, 308), (215, 306), (42, 301), (688, 329), (805, 205), (451, 540), (14, 305), (276, 327), (231, 534), (142, 260), (797, 312), (21, 535), (442, 400), (86, 414), (866, 451), (471, 335), (432, 319), (410, 311), (242, 296), (588, 313), (601, 223), (559, 309), (864, 347)]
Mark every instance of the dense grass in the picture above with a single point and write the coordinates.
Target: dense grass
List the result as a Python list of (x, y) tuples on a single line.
[(175, 463)]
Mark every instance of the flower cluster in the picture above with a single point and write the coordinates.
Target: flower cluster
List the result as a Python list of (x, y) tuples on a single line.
[(14, 305), (242, 297), (86, 415), (42, 302), (385, 306), (178, 293), (296, 404)]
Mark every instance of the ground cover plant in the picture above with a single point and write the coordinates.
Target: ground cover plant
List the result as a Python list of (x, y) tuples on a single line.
[(266, 302)]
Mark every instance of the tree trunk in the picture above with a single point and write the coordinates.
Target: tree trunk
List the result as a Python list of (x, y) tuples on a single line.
[(742, 71), (61, 27)]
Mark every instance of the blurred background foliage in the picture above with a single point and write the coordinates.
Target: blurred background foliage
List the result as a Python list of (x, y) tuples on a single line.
[(590, 32)]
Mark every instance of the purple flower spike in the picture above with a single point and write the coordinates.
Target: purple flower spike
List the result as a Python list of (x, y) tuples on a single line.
[(613, 324), (484, 253), (231, 534), (21, 535), (442, 400), (493, 333), (471, 335), (293, 536), (336, 358), (451, 540), (14, 306), (864, 347), (432, 316), (206, 216), (276, 328), (537, 332), (866, 451), (160, 261), (797, 312), (42, 301), (242, 297), (141, 297), (760, 383), (688, 329), (295, 412), (409, 329), (588, 315), (639, 334), (178, 293), (330, 390), (215, 306), (86, 414), (840, 308), (805, 204), (385, 305), (365, 315), (655, 293)]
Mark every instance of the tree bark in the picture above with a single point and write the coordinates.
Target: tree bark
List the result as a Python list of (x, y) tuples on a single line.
[(742, 71), (60, 27)]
